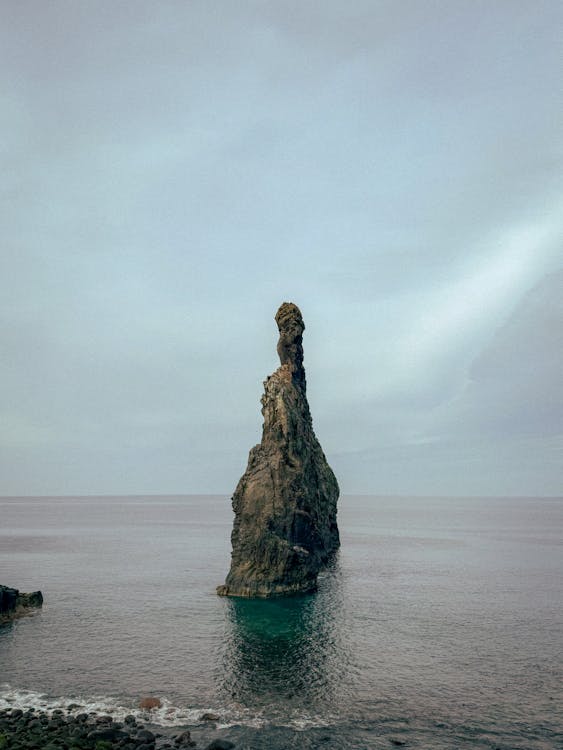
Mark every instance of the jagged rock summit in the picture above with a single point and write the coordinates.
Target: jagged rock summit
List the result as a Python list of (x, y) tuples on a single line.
[(285, 527)]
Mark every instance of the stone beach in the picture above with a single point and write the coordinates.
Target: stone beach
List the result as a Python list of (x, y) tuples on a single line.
[(57, 730)]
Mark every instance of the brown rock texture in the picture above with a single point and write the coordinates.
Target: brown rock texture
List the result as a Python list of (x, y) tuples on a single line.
[(149, 703), (285, 528)]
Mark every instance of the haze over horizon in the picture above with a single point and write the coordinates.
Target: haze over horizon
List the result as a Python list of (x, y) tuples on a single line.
[(173, 172)]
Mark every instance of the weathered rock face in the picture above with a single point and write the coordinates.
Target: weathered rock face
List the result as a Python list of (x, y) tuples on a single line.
[(14, 603), (285, 527)]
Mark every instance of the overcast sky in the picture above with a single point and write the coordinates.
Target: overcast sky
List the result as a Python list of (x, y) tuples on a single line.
[(172, 171)]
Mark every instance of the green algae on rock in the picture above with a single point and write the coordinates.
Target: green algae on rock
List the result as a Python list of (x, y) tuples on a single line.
[(285, 529)]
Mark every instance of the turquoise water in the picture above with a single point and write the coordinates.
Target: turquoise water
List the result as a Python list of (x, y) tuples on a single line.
[(440, 624)]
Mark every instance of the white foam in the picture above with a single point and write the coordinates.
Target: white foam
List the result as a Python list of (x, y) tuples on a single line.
[(168, 715)]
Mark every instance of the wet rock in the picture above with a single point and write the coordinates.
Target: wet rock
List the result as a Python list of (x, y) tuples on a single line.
[(149, 703), (184, 740), (397, 742), (14, 603), (37, 731), (129, 719), (220, 745), (104, 719), (8, 598), (109, 733), (285, 528), (145, 735), (209, 717)]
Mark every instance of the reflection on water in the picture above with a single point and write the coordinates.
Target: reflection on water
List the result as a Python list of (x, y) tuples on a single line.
[(286, 651)]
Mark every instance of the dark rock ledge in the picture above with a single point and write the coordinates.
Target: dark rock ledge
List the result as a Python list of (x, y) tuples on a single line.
[(35, 730), (14, 603)]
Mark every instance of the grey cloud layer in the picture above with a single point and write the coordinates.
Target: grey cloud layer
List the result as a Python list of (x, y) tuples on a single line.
[(173, 172)]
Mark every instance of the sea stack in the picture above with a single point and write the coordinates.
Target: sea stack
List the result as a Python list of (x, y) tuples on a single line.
[(285, 529)]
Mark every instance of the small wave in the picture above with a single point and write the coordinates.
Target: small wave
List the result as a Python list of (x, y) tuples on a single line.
[(168, 715)]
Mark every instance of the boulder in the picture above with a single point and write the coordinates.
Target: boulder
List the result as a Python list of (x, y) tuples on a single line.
[(107, 733), (184, 740), (149, 703), (146, 736), (220, 745)]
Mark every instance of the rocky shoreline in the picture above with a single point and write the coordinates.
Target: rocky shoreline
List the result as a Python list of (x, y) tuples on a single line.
[(14, 603), (38, 730)]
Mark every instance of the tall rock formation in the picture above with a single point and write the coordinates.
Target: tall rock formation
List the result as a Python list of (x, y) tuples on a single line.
[(285, 528)]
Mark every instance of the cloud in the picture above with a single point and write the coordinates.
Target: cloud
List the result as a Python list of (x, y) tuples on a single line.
[(500, 434), (512, 390), (452, 318), (173, 174)]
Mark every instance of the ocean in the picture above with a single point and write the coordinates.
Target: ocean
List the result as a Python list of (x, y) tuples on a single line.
[(440, 624)]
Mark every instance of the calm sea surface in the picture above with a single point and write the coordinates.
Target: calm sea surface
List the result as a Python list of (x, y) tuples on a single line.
[(440, 625)]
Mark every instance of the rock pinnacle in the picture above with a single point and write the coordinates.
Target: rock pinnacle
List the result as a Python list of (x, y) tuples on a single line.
[(285, 528)]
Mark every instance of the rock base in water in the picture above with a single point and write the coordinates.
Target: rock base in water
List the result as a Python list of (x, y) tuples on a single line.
[(14, 603)]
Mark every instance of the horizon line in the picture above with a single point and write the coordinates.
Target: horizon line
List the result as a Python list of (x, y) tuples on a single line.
[(425, 496)]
